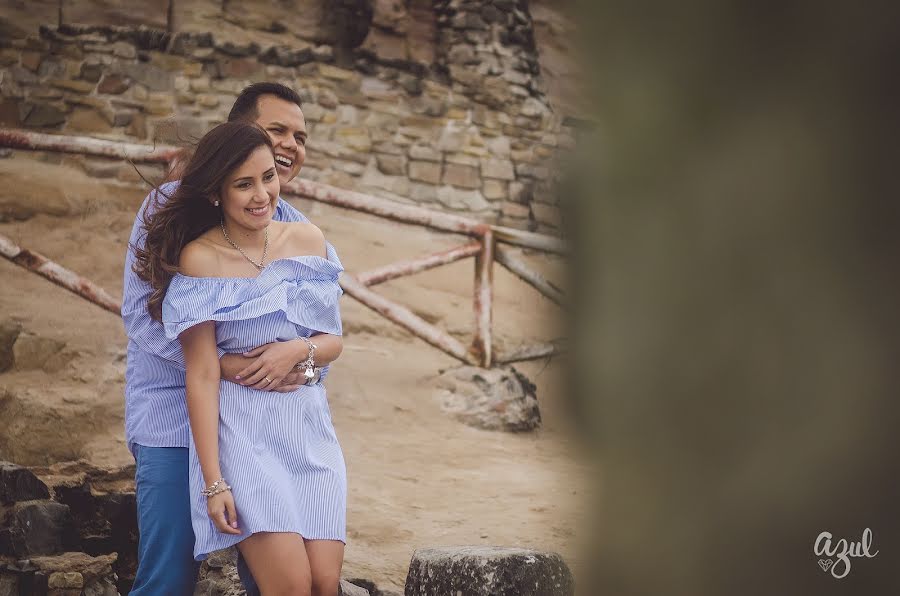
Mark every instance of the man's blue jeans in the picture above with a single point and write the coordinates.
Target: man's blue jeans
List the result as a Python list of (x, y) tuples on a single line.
[(166, 547)]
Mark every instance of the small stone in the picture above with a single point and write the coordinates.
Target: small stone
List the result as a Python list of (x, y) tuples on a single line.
[(461, 176), (337, 74), (287, 57), (140, 93), (137, 127), (350, 167), (238, 50), (397, 185), (354, 138), (499, 146), (532, 171), (425, 171), (510, 209), (149, 75), (31, 60), (10, 56), (89, 120), (76, 86), (520, 193), (385, 45), (114, 84), (200, 85), (327, 99), (494, 190), (122, 118), (501, 169), (41, 115), (208, 101), (65, 580), (377, 89), (51, 69), (323, 53), (313, 112), (160, 105), (393, 165), (92, 71), (452, 137), (462, 54), (424, 152), (121, 49), (462, 159), (238, 68)]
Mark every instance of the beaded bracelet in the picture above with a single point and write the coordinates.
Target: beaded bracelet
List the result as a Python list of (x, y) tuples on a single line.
[(219, 486)]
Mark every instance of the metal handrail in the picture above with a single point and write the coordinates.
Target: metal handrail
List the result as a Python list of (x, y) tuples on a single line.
[(484, 248)]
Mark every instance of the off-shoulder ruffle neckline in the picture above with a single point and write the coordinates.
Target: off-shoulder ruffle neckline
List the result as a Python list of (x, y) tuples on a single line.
[(314, 261)]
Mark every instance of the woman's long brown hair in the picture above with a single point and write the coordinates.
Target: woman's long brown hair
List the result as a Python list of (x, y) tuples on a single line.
[(189, 211)]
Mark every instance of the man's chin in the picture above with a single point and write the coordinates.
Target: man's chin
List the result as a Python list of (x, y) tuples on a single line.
[(284, 175)]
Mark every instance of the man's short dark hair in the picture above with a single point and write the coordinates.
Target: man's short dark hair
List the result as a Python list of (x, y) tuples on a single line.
[(245, 106)]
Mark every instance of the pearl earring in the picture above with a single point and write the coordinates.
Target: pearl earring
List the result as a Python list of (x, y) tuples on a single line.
[(216, 203)]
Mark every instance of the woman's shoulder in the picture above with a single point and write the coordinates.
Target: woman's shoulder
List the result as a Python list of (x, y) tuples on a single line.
[(302, 238), (199, 258)]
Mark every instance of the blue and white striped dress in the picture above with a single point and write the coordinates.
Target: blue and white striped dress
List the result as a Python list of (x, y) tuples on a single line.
[(278, 451)]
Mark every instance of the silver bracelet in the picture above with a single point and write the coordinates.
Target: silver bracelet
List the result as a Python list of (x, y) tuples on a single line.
[(308, 366), (219, 486)]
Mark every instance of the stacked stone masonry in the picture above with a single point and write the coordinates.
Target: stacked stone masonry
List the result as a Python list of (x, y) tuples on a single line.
[(469, 132)]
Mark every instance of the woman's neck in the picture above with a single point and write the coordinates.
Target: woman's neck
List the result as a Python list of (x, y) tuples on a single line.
[(251, 241)]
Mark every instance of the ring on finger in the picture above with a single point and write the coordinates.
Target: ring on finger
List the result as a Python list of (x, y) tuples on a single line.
[(268, 380)]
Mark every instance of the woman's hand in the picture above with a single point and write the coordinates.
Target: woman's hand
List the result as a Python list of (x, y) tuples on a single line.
[(272, 363), (223, 513)]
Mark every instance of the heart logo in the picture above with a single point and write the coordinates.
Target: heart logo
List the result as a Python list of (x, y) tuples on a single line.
[(825, 564)]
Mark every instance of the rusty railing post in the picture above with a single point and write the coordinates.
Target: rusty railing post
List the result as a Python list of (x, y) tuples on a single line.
[(484, 278)]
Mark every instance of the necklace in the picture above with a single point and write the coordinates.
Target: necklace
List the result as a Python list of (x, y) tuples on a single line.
[(259, 266)]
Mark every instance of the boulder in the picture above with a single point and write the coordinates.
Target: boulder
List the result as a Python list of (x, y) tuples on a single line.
[(488, 571), (81, 573), (20, 484), (36, 528), (34, 351), (350, 589), (9, 332), (499, 398)]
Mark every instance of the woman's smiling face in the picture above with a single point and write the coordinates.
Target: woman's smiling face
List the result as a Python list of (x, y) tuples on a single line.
[(250, 194)]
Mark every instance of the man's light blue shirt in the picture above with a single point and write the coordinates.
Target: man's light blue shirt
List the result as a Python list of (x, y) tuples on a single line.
[(155, 405)]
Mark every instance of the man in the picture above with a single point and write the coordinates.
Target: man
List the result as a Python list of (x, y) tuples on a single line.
[(156, 419)]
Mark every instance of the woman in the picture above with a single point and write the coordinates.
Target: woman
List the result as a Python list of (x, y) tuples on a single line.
[(267, 472)]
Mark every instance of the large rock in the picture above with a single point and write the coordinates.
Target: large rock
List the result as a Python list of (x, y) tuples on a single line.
[(349, 589), (34, 351), (499, 398), (72, 573), (36, 528), (9, 332), (20, 484), (487, 571)]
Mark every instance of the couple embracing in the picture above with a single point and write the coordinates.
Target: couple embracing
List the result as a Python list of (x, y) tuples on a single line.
[(231, 309)]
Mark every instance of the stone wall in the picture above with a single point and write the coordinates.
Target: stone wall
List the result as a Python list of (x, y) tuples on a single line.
[(441, 104)]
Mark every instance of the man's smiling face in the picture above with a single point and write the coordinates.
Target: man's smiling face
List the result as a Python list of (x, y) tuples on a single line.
[(284, 122)]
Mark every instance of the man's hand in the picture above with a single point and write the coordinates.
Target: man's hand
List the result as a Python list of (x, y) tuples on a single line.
[(232, 365), (271, 364)]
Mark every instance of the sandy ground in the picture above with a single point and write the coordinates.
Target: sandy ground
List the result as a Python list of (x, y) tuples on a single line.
[(417, 477)]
